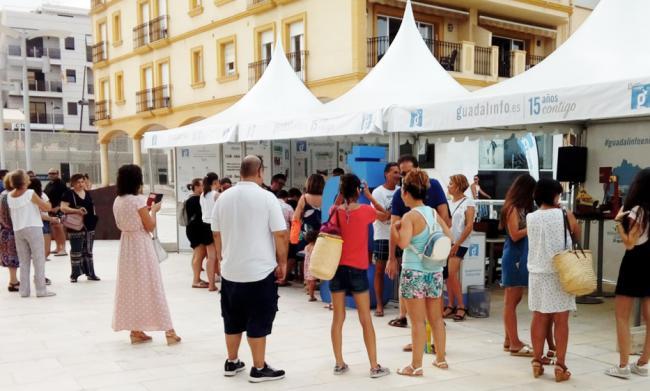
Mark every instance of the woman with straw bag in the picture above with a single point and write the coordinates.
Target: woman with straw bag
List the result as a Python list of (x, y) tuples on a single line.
[(351, 275), (547, 299)]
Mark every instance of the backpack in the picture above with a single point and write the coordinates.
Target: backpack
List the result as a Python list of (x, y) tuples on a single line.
[(181, 216), (436, 248)]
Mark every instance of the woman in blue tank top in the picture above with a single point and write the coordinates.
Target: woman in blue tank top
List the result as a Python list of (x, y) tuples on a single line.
[(420, 286)]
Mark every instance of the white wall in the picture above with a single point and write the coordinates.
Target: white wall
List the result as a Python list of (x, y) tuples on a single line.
[(602, 153), (454, 157)]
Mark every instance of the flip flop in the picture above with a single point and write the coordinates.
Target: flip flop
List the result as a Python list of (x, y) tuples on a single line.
[(525, 351), (441, 364), (60, 254), (398, 322), (201, 285), (410, 371), (379, 314)]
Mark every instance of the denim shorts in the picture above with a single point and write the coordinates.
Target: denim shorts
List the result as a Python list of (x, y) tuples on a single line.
[(514, 263), (46, 228), (349, 280)]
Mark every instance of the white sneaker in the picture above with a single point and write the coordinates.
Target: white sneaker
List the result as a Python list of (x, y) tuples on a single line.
[(47, 294), (641, 370), (616, 371)]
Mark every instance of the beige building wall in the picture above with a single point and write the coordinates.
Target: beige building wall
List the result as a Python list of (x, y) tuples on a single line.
[(335, 35)]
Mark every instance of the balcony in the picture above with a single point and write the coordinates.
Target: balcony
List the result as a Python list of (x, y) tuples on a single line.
[(298, 61), (483, 60), (153, 99), (447, 53), (257, 3), (150, 32), (100, 52), (162, 97), (35, 52), (140, 35), (158, 29), (89, 53), (44, 85), (45, 118), (102, 110), (532, 60)]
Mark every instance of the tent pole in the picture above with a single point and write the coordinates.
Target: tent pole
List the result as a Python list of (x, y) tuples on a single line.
[(151, 185), (291, 164)]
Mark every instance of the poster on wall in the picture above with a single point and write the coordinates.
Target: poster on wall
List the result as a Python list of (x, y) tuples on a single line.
[(528, 144), (623, 147), (300, 170), (345, 148), (231, 161), (281, 161), (192, 162), (263, 149), (322, 157), (491, 154)]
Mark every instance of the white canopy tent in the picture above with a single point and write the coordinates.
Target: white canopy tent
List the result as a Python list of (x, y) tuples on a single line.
[(407, 73), (602, 71), (278, 96)]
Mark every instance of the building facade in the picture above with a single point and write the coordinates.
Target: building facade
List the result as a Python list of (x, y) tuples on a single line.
[(161, 64), (59, 71)]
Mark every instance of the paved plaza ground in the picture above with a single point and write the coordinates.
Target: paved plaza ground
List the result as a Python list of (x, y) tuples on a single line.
[(66, 343)]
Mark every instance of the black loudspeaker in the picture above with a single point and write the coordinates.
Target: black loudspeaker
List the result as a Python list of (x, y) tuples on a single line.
[(572, 164)]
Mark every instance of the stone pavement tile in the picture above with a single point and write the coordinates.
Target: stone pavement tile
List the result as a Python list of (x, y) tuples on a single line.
[(53, 382)]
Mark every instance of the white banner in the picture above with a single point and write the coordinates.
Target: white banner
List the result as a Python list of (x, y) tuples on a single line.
[(625, 98)]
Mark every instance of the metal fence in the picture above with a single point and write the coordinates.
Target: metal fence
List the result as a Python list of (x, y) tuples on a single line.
[(482, 60)]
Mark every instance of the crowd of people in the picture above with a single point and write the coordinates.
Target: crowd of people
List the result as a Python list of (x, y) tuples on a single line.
[(31, 217), (221, 220)]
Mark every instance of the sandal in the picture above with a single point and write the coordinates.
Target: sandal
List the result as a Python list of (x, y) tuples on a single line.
[(200, 284), (562, 373), (450, 314), (525, 351), (399, 322), (441, 364), (460, 318), (13, 287), (410, 371), (549, 358), (312, 299), (379, 314), (538, 368), (408, 348)]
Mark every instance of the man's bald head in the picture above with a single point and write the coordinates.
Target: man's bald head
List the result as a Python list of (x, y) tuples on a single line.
[(251, 167)]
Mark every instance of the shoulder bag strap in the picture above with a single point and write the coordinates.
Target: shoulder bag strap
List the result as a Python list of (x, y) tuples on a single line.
[(458, 206), (565, 220)]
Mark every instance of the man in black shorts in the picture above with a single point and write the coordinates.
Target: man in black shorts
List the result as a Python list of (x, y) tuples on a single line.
[(246, 215)]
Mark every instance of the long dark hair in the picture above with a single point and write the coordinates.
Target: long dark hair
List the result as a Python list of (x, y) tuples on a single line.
[(208, 181), (639, 195), (518, 197), (36, 185), (349, 187), (129, 179)]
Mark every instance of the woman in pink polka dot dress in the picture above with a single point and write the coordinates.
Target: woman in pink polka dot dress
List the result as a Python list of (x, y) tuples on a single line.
[(140, 302)]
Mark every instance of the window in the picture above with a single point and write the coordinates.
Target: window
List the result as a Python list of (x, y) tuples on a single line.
[(117, 29), (297, 45), (119, 87), (227, 58), (72, 108), (197, 67), (266, 45), (196, 7), (69, 43), (71, 75)]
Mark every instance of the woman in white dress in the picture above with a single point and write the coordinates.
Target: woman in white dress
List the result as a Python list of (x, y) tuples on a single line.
[(547, 236)]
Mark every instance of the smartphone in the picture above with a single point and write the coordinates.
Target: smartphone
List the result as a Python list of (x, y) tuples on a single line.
[(154, 198)]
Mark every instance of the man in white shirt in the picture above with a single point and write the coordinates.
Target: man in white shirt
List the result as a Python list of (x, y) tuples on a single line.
[(381, 227), (250, 235)]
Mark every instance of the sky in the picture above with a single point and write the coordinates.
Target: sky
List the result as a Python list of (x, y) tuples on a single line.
[(26, 5)]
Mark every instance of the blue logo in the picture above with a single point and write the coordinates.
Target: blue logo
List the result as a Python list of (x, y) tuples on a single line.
[(473, 250), (640, 96), (416, 118)]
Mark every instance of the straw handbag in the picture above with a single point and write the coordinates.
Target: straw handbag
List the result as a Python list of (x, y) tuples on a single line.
[(574, 267), (326, 255)]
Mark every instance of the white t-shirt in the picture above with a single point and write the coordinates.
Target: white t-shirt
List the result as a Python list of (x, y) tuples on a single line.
[(635, 215), (24, 213), (207, 202), (458, 222), (247, 216), (385, 199), (287, 212)]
